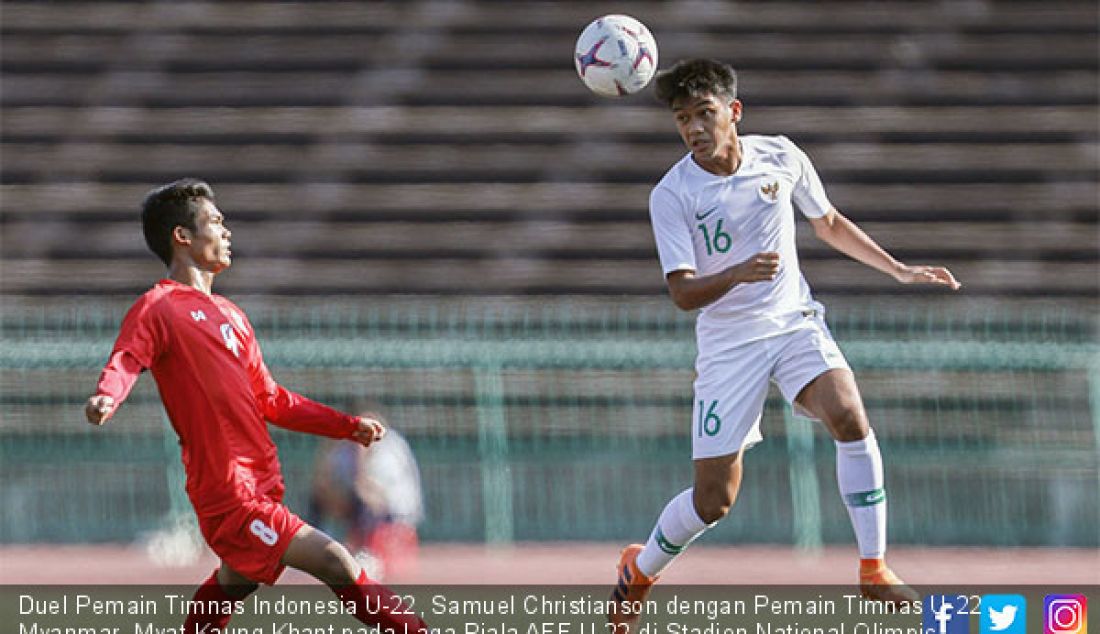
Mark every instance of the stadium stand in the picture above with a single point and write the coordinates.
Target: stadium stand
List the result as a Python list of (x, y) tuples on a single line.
[(381, 137)]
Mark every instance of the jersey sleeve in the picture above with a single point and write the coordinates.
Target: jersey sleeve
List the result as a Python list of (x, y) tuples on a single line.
[(809, 193), (288, 409), (293, 411), (140, 341), (672, 234)]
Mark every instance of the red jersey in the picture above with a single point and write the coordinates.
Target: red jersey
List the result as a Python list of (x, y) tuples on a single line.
[(217, 391)]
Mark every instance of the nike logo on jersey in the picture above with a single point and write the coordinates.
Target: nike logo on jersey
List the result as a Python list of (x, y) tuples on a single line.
[(198, 315), (701, 216)]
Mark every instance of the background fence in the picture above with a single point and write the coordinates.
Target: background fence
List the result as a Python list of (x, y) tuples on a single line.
[(569, 420)]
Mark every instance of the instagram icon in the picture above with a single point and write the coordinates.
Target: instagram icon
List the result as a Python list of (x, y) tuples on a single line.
[(1065, 614)]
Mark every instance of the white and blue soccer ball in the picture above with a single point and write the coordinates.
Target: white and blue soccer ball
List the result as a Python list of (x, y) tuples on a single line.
[(616, 55)]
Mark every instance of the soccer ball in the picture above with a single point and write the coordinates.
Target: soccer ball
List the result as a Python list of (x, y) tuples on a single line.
[(616, 55)]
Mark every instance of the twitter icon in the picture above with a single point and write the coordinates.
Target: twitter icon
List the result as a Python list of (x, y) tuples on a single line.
[(1003, 614)]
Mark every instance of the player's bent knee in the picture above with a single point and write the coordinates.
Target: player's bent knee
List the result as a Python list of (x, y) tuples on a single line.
[(316, 553), (717, 481), (714, 513), (713, 503), (849, 424)]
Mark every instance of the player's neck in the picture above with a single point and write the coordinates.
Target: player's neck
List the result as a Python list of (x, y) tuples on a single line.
[(191, 275)]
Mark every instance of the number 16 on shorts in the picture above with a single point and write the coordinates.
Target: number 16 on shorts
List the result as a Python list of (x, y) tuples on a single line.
[(708, 423)]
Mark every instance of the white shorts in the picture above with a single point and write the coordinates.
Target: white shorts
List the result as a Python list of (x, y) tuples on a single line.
[(731, 386)]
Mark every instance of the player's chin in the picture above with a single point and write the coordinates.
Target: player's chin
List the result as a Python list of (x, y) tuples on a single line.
[(221, 264), (702, 153)]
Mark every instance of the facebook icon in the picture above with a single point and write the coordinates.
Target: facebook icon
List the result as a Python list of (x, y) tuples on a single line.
[(945, 614)]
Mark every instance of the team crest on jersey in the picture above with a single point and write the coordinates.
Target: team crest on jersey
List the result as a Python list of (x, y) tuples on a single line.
[(198, 315), (769, 189)]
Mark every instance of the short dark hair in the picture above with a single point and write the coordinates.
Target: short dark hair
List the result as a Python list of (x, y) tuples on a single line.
[(169, 206), (694, 78)]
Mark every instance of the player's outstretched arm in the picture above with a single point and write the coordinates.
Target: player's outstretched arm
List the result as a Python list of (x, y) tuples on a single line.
[(139, 342), (845, 236), (99, 408), (689, 291), (295, 412), (115, 383), (290, 410)]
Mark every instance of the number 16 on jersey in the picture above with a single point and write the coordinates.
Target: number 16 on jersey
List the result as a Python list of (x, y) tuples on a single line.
[(720, 241)]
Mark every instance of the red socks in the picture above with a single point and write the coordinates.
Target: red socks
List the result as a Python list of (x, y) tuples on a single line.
[(376, 605)]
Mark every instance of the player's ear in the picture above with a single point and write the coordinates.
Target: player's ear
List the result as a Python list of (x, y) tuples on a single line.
[(735, 110), (181, 235)]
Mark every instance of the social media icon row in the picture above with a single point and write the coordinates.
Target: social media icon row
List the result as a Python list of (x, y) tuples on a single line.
[(1003, 614)]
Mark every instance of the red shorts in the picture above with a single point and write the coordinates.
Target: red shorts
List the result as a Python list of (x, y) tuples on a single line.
[(252, 538)]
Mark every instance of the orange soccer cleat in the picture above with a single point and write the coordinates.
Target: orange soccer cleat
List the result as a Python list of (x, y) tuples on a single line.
[(631, 590), (878, 583)]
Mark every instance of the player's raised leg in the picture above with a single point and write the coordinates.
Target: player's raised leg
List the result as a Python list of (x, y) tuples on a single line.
[(683, 520), (834, 398), (693, 511), (729, 394), (316, 553)]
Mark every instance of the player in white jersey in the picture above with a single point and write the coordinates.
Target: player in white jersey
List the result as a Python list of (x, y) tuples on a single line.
[(724, 222)]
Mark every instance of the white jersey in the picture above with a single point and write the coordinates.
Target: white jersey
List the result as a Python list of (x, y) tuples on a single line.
[(705, 223)]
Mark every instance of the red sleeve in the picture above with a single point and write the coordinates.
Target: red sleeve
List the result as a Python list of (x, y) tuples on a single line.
[(290, 410), (137, 346), (294, 411)]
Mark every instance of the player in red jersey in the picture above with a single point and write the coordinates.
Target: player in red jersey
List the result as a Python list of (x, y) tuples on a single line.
[(219, 396)]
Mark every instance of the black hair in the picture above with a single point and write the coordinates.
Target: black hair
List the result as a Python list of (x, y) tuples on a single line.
[(694, 78), (170, 206)]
